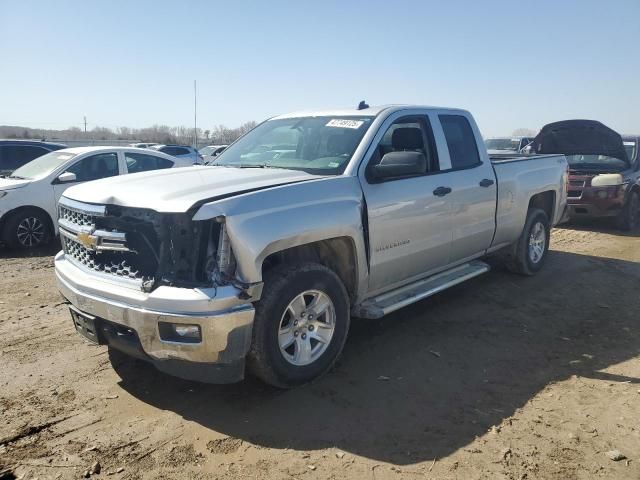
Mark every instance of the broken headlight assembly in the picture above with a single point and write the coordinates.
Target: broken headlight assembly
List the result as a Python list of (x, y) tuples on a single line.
[(220, 262)]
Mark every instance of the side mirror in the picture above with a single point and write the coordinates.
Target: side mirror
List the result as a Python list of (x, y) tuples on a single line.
[(67, 177), (400, 164)]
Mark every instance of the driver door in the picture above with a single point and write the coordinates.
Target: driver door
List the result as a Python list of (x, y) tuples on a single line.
[(409, 218)]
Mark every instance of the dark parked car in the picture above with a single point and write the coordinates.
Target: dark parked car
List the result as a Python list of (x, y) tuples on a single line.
[(604, 169), (16, 153)]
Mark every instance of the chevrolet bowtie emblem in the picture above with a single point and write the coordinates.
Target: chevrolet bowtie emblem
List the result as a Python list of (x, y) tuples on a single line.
[(88, 240)]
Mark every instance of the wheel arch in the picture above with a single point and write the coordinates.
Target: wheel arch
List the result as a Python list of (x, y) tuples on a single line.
[(23, 208), (545, 201), (338, 254)]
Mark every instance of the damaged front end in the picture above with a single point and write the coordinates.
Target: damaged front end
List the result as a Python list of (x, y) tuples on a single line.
[(148, 249)]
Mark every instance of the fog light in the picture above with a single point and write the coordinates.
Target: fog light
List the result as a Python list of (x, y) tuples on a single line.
[(180, 332), (602, 194), (188, 330)]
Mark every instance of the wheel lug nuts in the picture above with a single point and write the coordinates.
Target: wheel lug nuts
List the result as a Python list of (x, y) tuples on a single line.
[(311, 328), (295, 334), (295, 322), (304, 336)]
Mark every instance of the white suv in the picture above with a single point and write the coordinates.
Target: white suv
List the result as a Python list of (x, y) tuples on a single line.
[(29, 196)]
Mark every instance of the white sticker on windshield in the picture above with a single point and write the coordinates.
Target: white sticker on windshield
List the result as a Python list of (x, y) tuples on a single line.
[(343, 123), (334, 164)]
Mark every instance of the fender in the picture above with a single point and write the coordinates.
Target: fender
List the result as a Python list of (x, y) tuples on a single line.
[(267, 221)]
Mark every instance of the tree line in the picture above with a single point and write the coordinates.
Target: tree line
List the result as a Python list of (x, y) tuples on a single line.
[(156, 134)]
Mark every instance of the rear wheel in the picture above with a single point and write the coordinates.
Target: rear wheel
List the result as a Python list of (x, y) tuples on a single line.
[(26, 229), (300, 326), (527, 256), (629, 218)]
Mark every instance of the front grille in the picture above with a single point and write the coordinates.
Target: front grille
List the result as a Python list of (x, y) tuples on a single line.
[(76, 217), (108, 262), (138, 246), (577, 183), (574, 193)]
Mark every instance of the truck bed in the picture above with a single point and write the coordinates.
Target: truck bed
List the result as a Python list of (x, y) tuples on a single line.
[(519, 178), (515, 157)]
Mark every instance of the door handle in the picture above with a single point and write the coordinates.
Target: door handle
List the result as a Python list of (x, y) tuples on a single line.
[(485, 182), (442, 191)]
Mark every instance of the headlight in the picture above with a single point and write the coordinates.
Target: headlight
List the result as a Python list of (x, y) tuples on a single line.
[(607, 180), (2, 193)]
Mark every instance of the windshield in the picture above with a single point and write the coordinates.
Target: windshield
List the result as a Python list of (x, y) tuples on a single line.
[(502, 144), (630, 148), (318, 145), (44, 165), (601, 163)]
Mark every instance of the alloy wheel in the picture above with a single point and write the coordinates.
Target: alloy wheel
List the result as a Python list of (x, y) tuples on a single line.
[(306, 327), (537, 242), (30, 232)]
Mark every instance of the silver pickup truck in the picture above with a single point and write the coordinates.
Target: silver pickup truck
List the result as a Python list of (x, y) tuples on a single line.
[(305, 221)]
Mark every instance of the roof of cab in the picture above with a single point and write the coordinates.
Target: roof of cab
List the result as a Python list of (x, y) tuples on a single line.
[(81, 150), (371, 111)]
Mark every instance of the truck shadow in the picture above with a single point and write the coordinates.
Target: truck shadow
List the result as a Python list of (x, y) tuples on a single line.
[(45, 251), (429, 379), (601, 225)]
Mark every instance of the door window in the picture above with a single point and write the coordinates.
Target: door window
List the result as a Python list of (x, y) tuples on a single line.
[(94, 167), (461, 141), (139, 162), (408, 134)]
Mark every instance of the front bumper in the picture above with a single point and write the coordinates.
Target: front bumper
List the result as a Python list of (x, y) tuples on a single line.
[(225, 322), (599, 209)]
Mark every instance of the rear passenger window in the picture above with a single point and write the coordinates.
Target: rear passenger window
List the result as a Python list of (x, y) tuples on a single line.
[(139, 162), (460, 140), (181, 151)]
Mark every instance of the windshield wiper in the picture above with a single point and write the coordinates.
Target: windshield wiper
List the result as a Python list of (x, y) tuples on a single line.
[(249, 165), (17, 177)]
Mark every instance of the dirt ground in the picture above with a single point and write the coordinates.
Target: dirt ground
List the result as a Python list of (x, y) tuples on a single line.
[(503, 377)]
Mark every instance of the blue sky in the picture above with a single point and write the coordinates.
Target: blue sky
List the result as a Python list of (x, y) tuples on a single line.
[(512, 64)]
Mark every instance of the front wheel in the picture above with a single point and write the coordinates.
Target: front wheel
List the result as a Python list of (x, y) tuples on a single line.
[(629, 218), (300, 326), (26, 229), (528, 254)]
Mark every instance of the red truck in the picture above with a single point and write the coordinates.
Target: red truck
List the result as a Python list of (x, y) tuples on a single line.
[(604, 169)]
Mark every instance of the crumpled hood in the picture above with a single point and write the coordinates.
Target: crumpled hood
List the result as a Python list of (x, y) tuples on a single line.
[(11, 183), (579, 137), (178, 189)]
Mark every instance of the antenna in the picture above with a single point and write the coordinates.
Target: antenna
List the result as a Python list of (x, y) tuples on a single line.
[(362, 105), (195, 116)]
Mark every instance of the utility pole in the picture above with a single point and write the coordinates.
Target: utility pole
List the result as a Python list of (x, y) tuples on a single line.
[(195, 116), (85, 124)]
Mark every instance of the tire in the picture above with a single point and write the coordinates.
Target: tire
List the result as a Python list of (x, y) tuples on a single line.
[(26, 229), (629, 218), (280, 319), (521, 259)]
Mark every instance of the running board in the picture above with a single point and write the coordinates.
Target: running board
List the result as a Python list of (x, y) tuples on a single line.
[(386, 303)]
